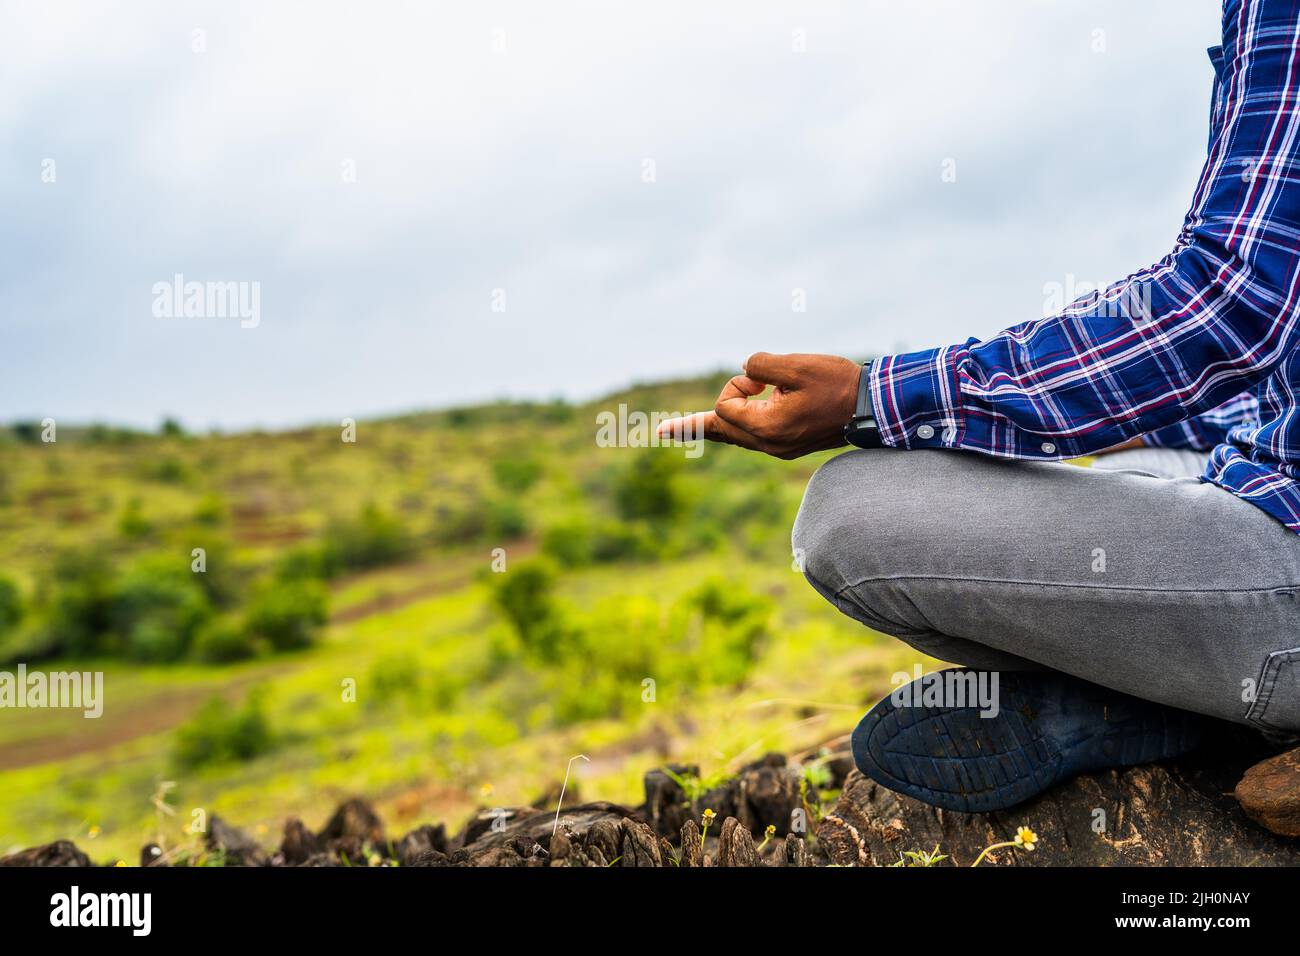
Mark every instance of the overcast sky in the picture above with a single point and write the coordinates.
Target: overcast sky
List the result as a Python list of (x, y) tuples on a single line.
[(380, 169)]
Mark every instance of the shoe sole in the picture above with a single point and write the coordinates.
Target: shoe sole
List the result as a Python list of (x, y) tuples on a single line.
[(1048, 728)]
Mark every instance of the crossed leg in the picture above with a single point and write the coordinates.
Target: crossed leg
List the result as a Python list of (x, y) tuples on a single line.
[(1164, 588)]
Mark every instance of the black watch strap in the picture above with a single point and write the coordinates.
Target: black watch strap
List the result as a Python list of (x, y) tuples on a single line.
[(863, 430)]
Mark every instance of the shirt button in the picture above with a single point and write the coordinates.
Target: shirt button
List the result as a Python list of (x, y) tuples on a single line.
[(1049, 448), (925, 431)]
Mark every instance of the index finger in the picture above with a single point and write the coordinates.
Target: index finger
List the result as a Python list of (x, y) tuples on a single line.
[(706, 425), (686, 428)]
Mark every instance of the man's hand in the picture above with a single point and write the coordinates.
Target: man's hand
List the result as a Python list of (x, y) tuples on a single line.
[(813, 398)]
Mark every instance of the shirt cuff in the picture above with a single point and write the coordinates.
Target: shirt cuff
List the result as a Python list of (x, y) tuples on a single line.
[(916, 398)]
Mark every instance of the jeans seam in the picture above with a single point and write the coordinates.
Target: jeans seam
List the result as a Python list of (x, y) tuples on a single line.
[(1063, 584)]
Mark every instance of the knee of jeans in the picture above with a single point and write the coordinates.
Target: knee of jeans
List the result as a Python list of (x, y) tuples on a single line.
[(833, 533)]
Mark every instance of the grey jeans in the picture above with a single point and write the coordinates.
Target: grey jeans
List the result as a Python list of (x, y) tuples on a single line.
[(1130, 574)]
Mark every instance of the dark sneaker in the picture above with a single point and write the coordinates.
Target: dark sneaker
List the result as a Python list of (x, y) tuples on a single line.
[(1048, 727)]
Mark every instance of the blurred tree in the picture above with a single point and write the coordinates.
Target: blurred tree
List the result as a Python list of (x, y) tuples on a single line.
[(371, 539), (288, 614), (11, 605), (516, 475), (221, 733), (647, 487)]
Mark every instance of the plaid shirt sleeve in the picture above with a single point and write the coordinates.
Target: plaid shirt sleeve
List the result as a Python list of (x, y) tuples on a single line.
[(1202, 432), (1183, 337)]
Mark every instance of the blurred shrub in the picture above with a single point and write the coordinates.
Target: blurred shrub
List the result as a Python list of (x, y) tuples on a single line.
[(505, 520), (759, 500), (287, 614), (516, 475), (211, 509), (393, 675), (479, 519), (223, 579), (721, 627), (581, 541), (12, 607), (156, 608), (28, 432), (554, 412), (511, 413), (100, 434), (79, 609), (132, 522), (372, 539), (397, 677), (159, 610), (460, 522), (319, 561), (647, 487), (525, 594), (577, 695), (595, 664), (223, 641), (167, 470), (543, 626), (220, 733), (568, 542), (152, 640)]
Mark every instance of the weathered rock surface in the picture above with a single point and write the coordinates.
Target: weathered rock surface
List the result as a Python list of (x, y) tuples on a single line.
[(765, 793), (1270, 793), (59, 853), (1177, 813), (422, 840), (299, 844), (237, 847), (736, 845), (354, 820), (590, 834)]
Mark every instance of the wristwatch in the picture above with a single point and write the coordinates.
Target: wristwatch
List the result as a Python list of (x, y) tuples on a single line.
[(862, 429)]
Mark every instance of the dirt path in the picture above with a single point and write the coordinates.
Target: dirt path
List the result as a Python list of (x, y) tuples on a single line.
[(148, 716)]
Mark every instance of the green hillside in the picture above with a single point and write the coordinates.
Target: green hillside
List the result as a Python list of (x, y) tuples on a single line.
[(437, 615)]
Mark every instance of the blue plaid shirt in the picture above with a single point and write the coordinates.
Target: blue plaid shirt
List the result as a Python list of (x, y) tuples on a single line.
[(1200, 350)]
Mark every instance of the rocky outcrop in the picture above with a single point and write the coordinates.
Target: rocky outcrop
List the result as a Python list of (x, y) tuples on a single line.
[(1179, 813), (814, 810), (1270, 793), (235, 847), (59, 853)]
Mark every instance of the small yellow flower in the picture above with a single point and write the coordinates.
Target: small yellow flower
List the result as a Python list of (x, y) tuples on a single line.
[(708, 817), (771, 830), (486, 790), (120, 863), (93, 832), (1026, 838)]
